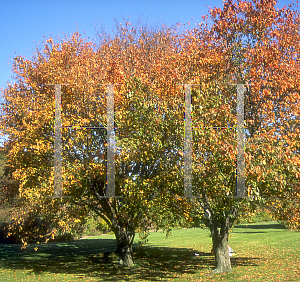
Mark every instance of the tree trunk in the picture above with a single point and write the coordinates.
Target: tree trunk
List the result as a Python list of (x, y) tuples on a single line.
[(219, 237), (123, 230), (220, 247), (124, 238)]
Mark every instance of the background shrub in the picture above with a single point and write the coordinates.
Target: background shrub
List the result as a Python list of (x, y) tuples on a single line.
[(96, 226), (260, 215)]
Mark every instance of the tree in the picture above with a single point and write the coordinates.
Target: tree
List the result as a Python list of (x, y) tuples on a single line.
[(270, 104), (146, 56), (141, 141)]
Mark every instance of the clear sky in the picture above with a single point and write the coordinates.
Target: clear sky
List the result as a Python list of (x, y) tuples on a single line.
[(23, 23)]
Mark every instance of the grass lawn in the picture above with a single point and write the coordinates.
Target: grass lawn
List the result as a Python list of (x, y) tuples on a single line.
[(263, 252)]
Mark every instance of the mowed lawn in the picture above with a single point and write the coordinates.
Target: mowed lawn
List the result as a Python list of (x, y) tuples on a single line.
[(263, 252)]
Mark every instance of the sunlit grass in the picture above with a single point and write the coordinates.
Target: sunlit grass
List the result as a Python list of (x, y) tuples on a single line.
[(263, 252)]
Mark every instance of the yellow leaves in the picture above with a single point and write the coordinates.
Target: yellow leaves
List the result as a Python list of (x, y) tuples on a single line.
[(127, 181), (71, 177)]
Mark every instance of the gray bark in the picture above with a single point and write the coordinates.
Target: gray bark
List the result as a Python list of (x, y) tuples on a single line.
[(124, 230), (219, 236), (125, 237), (220, 247)]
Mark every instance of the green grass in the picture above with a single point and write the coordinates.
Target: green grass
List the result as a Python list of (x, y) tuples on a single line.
[(263, 252)]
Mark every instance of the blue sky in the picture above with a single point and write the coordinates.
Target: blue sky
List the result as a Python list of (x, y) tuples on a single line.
[(24, 23)]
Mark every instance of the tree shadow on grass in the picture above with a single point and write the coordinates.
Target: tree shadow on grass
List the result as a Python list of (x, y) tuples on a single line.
[(85, 258), (260, 226), (253, 232)]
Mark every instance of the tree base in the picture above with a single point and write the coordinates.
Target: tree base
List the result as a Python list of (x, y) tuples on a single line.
[(219, 271), (128, 262)]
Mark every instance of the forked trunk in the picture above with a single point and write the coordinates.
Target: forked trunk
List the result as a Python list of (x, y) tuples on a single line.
[(124, 231), (220, 247), (124, 238), (222, 259), (220, 237)]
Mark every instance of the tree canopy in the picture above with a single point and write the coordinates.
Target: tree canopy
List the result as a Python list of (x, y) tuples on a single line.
[(248, 43)]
